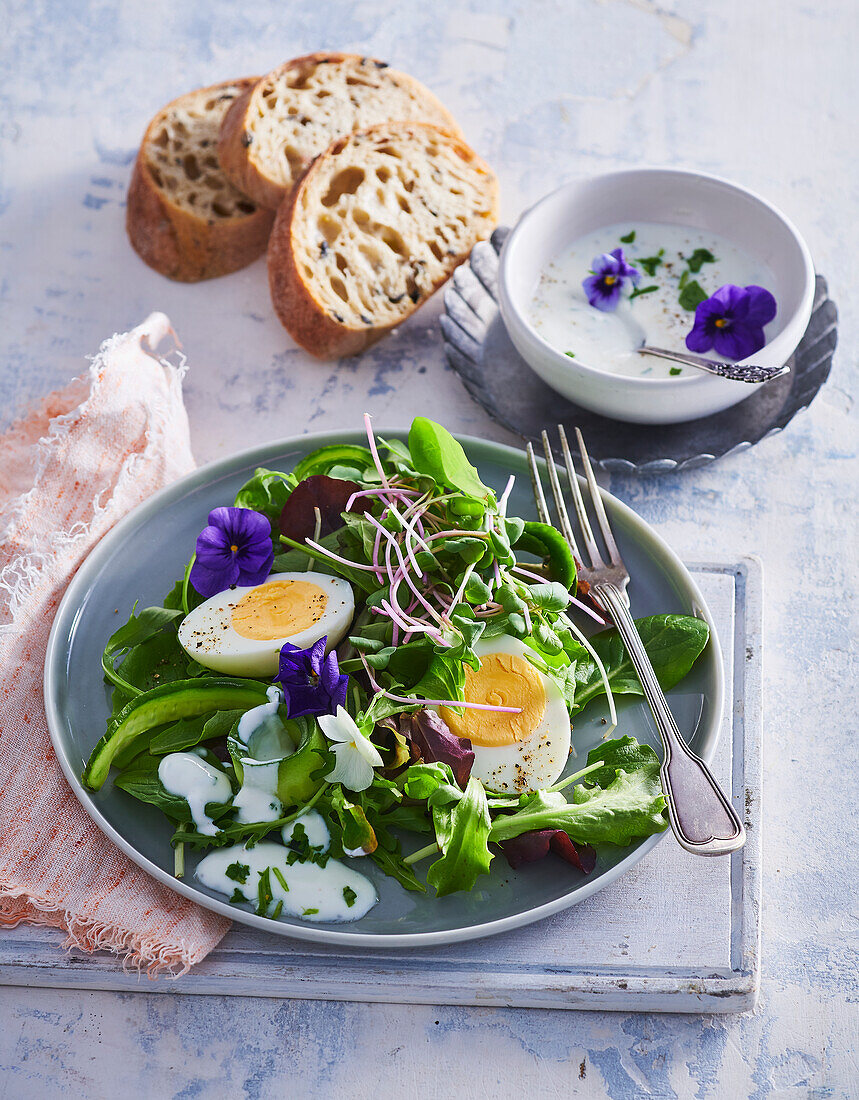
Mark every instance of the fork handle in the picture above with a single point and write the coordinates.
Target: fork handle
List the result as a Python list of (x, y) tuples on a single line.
[(703, 819)]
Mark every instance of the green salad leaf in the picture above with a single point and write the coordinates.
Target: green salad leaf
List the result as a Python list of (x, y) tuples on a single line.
[(267, 492), (462, 831), (435, 452), (615, 805), (673, 644)]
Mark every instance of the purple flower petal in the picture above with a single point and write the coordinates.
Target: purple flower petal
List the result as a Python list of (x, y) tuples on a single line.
[(599, 295), (739, 341), (235, 548), (762, 305), (611, 273), (209, 582), (312, 682), (731, 321)]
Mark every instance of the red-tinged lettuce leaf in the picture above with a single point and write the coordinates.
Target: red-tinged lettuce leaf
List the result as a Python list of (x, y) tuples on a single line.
[(330, 495), (529, 847), (436, 744)]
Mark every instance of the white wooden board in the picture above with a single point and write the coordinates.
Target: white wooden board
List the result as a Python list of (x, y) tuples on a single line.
[(678, 933)]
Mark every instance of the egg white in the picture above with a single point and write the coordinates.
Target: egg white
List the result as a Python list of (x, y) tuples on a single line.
[(207, 633), (537, 761)]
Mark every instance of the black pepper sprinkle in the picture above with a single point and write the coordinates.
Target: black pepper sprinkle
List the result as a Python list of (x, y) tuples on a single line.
[(247, 139)]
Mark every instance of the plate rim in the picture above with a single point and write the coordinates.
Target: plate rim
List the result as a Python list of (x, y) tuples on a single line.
[(71, 604)]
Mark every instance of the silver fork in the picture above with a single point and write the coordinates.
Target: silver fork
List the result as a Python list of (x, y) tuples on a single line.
[(702, 817)]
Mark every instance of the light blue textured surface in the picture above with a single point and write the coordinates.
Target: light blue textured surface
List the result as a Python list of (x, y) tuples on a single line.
[(764, 92)]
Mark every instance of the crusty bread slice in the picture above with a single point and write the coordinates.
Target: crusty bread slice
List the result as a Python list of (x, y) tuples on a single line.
[(184, 216), (377, 224), (272, 133)]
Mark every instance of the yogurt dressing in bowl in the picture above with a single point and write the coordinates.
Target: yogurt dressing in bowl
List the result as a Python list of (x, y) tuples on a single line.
[(561, 314)]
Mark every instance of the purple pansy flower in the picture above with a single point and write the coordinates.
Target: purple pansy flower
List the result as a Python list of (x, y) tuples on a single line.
[(311, 680), (235, 548), (611, 273), (732, 322)]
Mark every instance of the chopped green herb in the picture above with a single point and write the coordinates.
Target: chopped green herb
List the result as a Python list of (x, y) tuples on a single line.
[(692, 295), (650, 263), (278, 909), (571, 354), (309, 912), (700, 257), (349, 896), (238, 872), (629, 238), (643, 290), (238, 896), (675, 370), (684, 279), (279, 876), (264, 894)]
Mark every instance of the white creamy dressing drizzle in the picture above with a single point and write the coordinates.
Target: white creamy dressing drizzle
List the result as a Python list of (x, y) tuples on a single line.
[(268, 743), (562, 315), (185, 775), (314, 893)]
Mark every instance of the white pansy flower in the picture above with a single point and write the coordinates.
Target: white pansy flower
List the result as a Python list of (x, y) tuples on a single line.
[(356, 754)]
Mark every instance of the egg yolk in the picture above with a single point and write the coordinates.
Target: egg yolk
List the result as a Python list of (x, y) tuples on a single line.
[(278, 610), (503, 680)]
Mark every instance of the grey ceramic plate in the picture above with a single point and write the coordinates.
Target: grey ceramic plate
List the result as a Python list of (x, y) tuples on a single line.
[(143, 555), (498, 378)]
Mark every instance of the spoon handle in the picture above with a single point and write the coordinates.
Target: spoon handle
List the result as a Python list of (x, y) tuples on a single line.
[(734, 371)]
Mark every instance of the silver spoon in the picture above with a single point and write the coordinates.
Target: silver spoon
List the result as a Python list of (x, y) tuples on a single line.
[(733, 371)]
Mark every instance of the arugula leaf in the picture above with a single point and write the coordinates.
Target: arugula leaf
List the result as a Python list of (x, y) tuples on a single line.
[(267, 492), (462, 831), (434, 451), (673, 644), (692, 295)]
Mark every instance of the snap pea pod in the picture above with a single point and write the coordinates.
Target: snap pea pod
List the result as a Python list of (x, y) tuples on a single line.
[(550, 545), (163, 704)]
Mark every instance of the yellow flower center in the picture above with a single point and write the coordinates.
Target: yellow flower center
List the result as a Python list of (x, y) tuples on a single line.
[(721, 322), (610, 280), (235, 548)]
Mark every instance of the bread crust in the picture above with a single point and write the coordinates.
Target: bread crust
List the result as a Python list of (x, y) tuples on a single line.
[(178, 243), (302, 314), (235, 146)]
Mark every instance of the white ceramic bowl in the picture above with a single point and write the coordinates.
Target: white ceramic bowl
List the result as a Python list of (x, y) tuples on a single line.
[(671, 196)]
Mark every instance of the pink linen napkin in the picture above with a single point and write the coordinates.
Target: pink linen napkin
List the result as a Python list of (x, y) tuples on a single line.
[(68, 471)]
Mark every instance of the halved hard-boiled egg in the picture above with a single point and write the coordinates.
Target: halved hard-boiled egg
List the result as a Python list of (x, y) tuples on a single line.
[(241, 630), (518, 752)]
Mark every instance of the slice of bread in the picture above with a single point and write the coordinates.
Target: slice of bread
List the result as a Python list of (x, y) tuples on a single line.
[(272, 133), (376, 225), (184, 217)]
